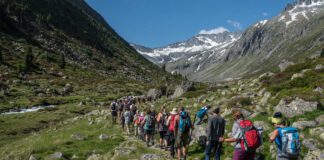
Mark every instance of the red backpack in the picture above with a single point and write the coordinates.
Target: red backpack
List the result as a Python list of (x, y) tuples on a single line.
[(171, 123), (251, 138)]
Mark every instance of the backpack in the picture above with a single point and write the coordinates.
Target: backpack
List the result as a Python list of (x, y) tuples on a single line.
[(162, 123), (185, 122), (136, 119), (171, 123), (150, 122), (201, 113), (290, 143), (251, 139)]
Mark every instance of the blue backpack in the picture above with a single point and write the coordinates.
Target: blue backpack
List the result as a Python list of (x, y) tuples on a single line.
[(201, 113), (290, 144), (185, 122)]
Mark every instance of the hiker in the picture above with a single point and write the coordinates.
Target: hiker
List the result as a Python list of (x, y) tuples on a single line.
[(141, 127), (133, 109), (170, 133), (113, 108), (162, 125), (199, 116), (122, 120), (286, 138), (149, 126), (127, 118), (215, 130), (182, 132), (136, 124), (120, 108), (246, 142)]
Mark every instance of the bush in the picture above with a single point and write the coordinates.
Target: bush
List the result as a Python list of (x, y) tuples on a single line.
[(322, 53), (62, 61)]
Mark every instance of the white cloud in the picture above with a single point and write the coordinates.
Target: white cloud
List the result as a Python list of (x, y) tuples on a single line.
[(265, 14), (235, 24), (214, 31)]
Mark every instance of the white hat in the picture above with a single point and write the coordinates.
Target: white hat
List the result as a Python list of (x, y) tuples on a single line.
[(174, 111)]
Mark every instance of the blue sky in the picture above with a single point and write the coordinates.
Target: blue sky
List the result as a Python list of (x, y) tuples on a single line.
[(156, 23)]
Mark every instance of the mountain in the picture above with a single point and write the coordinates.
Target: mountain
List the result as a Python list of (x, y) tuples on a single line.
[(71, 28), (188, 48), (296, 33)]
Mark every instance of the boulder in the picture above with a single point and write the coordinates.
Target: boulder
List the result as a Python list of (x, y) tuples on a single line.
[(77, 136), (150, 157), (183, 88), (124, 151), (103, 137), (32, 158), (285, 64), (67, 89), (266, 75), (320, 119), (319, 67), (318, 89), (265, 98), (94, 157), (57, 155), (199, 135), (266, 126), (297, 75), (304, 124), (154, 93), (314, 155), (296, 107), (316, 131), (310, 144)]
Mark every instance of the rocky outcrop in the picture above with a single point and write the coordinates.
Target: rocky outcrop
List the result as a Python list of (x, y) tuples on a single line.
[(315, 155), (296, 107), (154, 93), (304, 124), (183, 88), (199, 135), (285, 64), (320, 120)]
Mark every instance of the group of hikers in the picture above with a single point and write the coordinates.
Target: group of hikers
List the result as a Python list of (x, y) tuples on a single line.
[(175, 129)]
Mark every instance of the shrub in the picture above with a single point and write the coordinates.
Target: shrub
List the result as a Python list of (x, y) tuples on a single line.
[(62, 61), (322, 53)]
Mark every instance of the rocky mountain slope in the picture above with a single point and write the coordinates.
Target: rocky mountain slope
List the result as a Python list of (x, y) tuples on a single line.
[(294, 34), (52, 50)]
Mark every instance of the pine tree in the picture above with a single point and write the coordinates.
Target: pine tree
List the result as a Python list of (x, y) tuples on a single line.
[(322, 53), (1, 58), (62, 61), (29, 60)]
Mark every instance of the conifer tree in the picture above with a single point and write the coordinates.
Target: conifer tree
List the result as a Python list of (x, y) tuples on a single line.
[(1, 58), (62, 61), (29, 60)]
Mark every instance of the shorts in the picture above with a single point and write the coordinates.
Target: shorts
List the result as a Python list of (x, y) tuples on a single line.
[(149, 132), (182, 139), (162, 134)]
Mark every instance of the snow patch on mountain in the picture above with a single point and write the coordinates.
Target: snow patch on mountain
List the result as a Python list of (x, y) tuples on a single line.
[(301, 10)]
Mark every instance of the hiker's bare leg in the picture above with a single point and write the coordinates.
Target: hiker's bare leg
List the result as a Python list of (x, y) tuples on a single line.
[(179, 153)]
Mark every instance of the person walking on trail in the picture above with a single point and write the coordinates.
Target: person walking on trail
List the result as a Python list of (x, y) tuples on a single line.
[(162, 126), (286, 138), (199, 116), (170, 133), (182, 132), (127, 116), (114, 113), (141, 127), (245, 136), (120, 109), (136, 124), (215, 130), (149, 126)]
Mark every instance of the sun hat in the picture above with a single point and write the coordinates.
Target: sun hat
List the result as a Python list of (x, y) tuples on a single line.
[(174, 111)]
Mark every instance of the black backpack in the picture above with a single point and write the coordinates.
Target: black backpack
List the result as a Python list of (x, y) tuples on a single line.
[(150, 121)]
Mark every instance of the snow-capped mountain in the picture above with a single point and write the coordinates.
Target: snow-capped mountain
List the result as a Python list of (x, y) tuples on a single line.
[(295, 34), (188, 48)]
